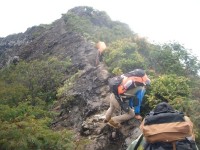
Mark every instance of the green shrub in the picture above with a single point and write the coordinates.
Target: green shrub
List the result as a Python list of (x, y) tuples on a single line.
[(34, 81), (124, 55), (26, 127), (172, 87)]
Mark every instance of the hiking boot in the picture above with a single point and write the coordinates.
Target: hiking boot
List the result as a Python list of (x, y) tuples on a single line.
[(105, 121), (114, 124), (138, 117)]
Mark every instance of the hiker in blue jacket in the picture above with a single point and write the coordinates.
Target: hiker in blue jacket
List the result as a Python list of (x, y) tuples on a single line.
[(127, 93), (139, 96)]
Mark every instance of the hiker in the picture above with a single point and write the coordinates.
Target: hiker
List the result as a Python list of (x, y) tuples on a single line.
[(15, 60), (128, 92), (165, 129), (101, 46)]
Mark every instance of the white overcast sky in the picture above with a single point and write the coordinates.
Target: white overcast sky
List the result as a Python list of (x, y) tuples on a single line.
[(158, 20)]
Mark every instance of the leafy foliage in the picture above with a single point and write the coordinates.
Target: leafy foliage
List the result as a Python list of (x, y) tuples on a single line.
[(67, 85), (172, 69), (27, 89), (26, 127), (34, 81), (12, 93), (93, 25), (193, 111), (173, 88), (175, 59), (124, 55), (166, 59)]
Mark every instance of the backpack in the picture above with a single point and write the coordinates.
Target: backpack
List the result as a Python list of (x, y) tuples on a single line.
[(136, 73), (138, 76), (141, 144), (114, 83), (167, 129)]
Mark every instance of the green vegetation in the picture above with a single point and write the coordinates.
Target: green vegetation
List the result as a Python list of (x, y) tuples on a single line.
[(35, 81), (29, 89), (95, 25), (124, 55), (67, 85), (26, 127), (172, 69), (172, 87)]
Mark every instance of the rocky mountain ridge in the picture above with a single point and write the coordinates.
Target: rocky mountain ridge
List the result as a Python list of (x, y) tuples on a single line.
[(88, 99)]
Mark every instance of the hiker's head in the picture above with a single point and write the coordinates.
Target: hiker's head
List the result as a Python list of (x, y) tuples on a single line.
[(148, 82), (163, 107), (101, 46)]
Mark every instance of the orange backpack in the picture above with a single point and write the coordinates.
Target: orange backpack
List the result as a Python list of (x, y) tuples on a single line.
[(137, 77), (135, 80)]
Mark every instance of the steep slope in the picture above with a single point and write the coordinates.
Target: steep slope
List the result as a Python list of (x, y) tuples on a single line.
[(85, 111), (82, 107), (42, 42), (79, 28)]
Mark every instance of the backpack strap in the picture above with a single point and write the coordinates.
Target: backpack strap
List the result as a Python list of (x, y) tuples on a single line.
[(174, 145), (160, 112), (139, 141)]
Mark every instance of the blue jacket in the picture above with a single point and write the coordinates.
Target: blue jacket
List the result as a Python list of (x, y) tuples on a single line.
[(139, 95)]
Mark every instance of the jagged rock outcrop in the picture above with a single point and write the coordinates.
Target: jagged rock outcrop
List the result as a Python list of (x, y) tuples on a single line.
[(89, 96), (86, 112)]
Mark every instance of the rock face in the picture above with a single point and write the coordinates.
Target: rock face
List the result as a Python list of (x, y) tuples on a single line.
[(90, 93), (56, 41), (85, 114)]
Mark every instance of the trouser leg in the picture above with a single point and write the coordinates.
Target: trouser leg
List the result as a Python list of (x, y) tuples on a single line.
[(114, 105), (139, 97), (124, 117)]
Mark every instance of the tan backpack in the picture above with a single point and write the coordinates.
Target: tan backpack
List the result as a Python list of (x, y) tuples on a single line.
[(168, 131), (165, 125)]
